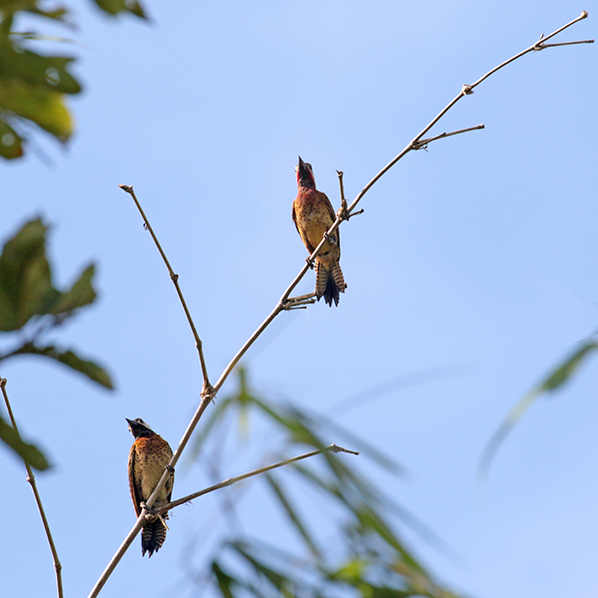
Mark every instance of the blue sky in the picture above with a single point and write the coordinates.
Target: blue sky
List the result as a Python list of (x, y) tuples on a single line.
[(477, 257)]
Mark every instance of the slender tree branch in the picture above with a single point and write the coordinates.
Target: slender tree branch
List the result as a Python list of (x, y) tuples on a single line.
[(175, 279), (541, 46), (286, 302), (424, 142), (230, 481), (38, 500)]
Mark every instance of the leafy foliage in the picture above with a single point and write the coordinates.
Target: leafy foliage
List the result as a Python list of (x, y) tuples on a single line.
[(34, 86), (365, 556), (31, 305), (28, 452)]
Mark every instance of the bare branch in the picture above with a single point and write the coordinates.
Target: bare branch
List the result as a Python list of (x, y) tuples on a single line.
[(422, 144), (38, 500), (540, 45), (333, 448), (175, 279)]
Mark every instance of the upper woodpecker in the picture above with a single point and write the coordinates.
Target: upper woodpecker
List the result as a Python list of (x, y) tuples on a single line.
[(313, 215), (149, 456)]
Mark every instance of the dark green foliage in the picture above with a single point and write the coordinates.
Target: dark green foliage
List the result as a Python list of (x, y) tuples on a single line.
[(31, 305), (28, 452)]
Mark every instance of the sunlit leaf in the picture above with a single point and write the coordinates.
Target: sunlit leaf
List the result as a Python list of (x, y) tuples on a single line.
[(559, 375), (56, 14), (37, 72), (11, 145), (28, 452), (91, 370), (45, 107), (114, 7)]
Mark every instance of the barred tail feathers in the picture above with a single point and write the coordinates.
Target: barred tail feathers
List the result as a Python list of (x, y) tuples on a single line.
[(329, 283), (153, 535)]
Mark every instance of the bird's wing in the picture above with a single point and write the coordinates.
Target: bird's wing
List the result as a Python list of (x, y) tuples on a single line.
[(133, 487), (333, 216), (295, 218)]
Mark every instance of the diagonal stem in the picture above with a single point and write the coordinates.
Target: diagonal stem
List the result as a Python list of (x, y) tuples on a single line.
[(38, 500), (175, 279), (230, 481)]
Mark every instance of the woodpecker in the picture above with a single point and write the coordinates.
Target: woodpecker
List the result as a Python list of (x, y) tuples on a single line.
[(149, 456), (313, 215)]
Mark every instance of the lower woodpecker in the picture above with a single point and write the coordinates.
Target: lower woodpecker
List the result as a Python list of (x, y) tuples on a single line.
[(149, 456)]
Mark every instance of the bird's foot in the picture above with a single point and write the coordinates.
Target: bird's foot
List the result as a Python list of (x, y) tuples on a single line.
[(330, 239), (310, 262), (299, 302)]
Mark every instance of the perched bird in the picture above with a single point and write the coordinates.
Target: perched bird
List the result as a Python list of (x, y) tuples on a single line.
[(148, 457), (313, 215)]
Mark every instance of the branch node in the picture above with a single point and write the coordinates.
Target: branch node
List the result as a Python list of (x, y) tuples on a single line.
[(3, 383), (127, 188), (174, 277), (466, 90), (208, 392)]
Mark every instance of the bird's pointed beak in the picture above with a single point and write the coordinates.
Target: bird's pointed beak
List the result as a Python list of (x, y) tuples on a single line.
[(301, 163)]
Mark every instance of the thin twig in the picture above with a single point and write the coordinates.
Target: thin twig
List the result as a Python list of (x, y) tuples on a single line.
[(230, 481), (424, 142), (175, 279), (541, 45), (38, 500)]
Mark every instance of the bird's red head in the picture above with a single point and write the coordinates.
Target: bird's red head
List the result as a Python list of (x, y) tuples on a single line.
[(305, 175)]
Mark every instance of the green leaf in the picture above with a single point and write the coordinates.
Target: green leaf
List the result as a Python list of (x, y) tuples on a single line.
[(28, 452), (88, 368), (279, 581), (559, 375), (45, 107), (11, 145), (114, 7), (25, 279), (49, 73), (80, 294), (225, 581), (292, 514)]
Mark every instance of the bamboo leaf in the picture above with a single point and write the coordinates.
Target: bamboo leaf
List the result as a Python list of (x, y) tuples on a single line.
[(292, 514), (559, 376), (225, 581)]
